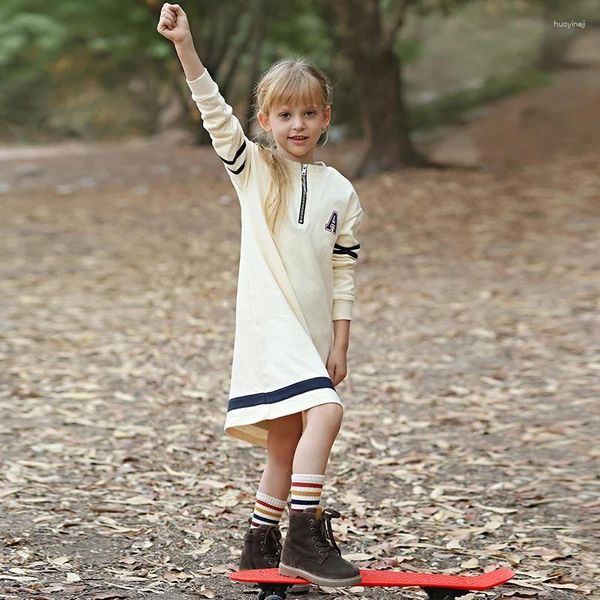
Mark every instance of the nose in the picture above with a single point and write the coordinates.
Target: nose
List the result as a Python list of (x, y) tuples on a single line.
[(298, 124)]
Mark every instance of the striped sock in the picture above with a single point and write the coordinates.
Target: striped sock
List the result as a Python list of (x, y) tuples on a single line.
[(267, 510), (306, 490)]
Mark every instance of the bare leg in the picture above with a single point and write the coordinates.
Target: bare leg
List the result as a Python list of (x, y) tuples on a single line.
[(282, 440), (323, 423)]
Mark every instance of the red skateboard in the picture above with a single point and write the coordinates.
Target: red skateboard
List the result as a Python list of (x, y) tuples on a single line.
[(438, 587)]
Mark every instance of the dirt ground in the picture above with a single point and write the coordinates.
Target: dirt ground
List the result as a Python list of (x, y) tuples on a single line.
[(471, 419)]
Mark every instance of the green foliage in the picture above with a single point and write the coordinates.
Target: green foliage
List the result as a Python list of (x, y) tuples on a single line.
[(26, 42), (409, 50), (295, 28), (28, 34), (50, 50), (449, 108), (82, 68)]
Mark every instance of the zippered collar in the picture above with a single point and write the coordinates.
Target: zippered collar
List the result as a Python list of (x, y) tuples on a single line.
[(303, 172), (298, 164)]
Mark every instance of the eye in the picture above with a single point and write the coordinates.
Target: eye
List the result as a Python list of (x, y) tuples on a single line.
[(308, 112)]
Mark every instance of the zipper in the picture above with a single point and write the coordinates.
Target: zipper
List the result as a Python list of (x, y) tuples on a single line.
[(304, 191)]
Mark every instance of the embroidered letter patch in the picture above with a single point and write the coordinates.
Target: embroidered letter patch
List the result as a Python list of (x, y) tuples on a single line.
[(331, 224)]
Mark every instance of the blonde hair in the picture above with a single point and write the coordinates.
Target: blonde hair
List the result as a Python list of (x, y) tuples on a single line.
[(287, 81)]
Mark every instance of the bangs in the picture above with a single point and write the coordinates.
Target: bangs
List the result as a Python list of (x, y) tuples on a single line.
[(295, 87)]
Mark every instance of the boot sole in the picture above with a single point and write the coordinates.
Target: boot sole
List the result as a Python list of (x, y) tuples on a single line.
[(293, 572)]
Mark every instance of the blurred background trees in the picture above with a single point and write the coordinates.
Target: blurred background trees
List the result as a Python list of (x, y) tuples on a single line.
[(100, 70)]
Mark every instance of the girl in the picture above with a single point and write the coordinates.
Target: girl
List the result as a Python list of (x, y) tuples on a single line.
[(299, 219)]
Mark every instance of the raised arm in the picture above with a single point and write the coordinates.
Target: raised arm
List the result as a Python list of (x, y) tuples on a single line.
[(228, 138)]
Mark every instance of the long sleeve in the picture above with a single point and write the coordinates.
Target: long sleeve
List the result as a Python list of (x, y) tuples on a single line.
[(345, 255), (228, 138)]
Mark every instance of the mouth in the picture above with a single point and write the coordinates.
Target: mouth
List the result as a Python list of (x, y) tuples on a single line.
[(298, 139)]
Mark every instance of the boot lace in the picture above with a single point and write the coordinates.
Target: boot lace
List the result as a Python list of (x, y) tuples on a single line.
[(326, 540), (272, 535)]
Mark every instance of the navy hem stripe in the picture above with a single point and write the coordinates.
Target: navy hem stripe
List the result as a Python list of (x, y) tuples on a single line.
[(237, 154), (289, 391)]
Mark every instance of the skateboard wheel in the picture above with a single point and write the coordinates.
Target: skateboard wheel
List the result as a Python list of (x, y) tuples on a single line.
[(270, 594), (444, 594)]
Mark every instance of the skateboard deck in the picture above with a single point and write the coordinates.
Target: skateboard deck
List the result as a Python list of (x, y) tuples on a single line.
[(437, 585)]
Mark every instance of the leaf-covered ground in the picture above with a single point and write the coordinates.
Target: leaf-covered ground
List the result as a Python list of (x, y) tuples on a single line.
[(470, 435)]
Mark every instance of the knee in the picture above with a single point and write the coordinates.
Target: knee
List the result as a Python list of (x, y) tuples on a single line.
[(282, 440), (282, 457), (326, 415)]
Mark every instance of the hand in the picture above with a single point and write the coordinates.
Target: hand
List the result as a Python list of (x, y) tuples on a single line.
[(173, 23), (336, 364)]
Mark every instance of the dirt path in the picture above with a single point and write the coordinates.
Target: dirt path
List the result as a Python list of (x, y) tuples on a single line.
[(470, 433)]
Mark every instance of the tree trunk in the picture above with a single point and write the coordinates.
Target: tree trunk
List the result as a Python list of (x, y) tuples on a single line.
[(555, 40), (384, 115), (258, 35), (217, 52), (369, 48)]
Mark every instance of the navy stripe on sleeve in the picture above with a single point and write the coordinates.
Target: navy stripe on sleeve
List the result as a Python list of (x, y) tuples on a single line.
[(238, 171), (337, 249), (237, 154)]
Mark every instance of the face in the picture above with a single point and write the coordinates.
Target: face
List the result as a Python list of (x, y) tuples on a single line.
[(287, 122)]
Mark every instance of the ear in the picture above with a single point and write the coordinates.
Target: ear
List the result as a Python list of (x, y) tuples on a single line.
[(263, 120), (326, 116)]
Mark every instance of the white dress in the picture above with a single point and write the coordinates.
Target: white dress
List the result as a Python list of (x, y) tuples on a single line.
[(290, 288)]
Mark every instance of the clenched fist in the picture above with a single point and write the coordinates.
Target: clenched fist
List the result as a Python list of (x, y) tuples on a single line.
[(173, 23)]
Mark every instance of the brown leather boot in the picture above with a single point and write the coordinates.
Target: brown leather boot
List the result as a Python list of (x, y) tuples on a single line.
[(262, 550), (310, 551), (262, 547)]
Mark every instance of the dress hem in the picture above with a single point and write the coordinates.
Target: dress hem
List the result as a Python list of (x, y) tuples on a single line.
[(251, 424)]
